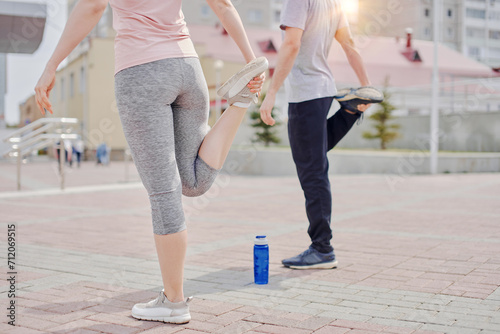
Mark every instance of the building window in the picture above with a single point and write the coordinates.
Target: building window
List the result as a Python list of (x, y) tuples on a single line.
[(82, 80), (62, 89), (475, 13), (205, 11), (494, 15), (254, 15), (475, 32), (427, 12), (474, 52), (494, 52), (71, 84), (427, 32), (494, 34), (450, 13)]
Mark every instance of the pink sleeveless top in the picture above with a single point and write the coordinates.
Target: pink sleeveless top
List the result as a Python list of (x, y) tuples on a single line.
[(149, 30)]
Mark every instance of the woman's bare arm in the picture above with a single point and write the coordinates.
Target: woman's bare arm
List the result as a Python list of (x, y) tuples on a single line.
[(81, 21)]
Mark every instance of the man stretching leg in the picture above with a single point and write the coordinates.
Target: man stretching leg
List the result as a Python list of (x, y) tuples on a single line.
[(309, 29)]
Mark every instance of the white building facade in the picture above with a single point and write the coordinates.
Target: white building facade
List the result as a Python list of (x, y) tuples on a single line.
[(469, 26)]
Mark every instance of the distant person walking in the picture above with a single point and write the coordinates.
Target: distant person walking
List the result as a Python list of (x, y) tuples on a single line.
[(68, 151), (102, 154), (309, 29), (163, 102), (78, 148)]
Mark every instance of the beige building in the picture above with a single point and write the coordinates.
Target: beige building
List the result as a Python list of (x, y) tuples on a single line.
[(469, 26), (84, 89), (29, 111)]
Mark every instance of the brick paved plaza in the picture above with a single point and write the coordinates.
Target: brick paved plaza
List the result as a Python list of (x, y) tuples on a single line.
[(420, 255)]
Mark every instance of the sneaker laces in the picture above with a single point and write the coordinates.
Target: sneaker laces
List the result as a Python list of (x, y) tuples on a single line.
[(158, 300), (306, 252)]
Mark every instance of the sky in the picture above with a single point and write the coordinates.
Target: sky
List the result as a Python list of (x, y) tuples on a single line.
[(23, 70)]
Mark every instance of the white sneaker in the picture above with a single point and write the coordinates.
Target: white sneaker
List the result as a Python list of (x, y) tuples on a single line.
[(351, 98), (366, 94), (236, 90), (161, 309)]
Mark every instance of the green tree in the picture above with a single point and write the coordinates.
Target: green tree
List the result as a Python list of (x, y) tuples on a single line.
[(264, 133), (384, 131)]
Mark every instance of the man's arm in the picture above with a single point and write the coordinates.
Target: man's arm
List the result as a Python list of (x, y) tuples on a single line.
[(286, 58), (344, 37)]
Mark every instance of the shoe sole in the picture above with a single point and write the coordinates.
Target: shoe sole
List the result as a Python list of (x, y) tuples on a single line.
[(238, 81), (325, 265), (362, 93), (181, 319)]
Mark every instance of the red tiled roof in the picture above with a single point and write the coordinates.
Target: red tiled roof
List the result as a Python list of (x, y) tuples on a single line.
[(383, 56)]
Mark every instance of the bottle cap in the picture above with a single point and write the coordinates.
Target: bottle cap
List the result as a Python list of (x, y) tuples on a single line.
[(260, 240)]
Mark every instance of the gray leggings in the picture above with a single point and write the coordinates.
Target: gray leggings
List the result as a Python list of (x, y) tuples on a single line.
[(163, 108)]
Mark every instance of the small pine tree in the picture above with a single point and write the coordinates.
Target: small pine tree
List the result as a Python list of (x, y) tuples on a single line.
[(267, 135), (383, 131)]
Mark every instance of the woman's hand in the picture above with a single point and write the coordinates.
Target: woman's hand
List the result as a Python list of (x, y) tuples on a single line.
[(82, 19), (256, 84), (42, 90)]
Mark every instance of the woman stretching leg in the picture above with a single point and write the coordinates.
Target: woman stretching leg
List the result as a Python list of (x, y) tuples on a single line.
[(162, 99)]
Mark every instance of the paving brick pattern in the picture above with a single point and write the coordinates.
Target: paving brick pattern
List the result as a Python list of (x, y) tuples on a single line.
[(421, 256)]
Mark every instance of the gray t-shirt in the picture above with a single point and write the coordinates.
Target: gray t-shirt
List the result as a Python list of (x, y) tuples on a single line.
[(311, 77)]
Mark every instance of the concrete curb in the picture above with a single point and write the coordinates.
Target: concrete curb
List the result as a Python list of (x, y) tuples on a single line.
[(279, 162)]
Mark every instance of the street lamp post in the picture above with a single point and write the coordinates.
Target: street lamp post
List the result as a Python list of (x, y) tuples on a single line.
[(218, 65), (434, 135)]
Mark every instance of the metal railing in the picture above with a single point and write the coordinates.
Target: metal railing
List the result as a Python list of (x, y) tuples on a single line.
[(40, 134)]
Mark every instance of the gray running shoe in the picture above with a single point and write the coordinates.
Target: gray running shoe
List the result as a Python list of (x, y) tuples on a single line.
[(236, 90), (311, 259), (350, 98), (161, 309)]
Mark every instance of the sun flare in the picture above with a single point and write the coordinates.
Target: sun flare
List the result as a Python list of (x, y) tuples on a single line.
[(350, 7)]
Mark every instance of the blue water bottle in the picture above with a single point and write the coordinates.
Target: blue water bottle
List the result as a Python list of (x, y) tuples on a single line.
[(261, 260)]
